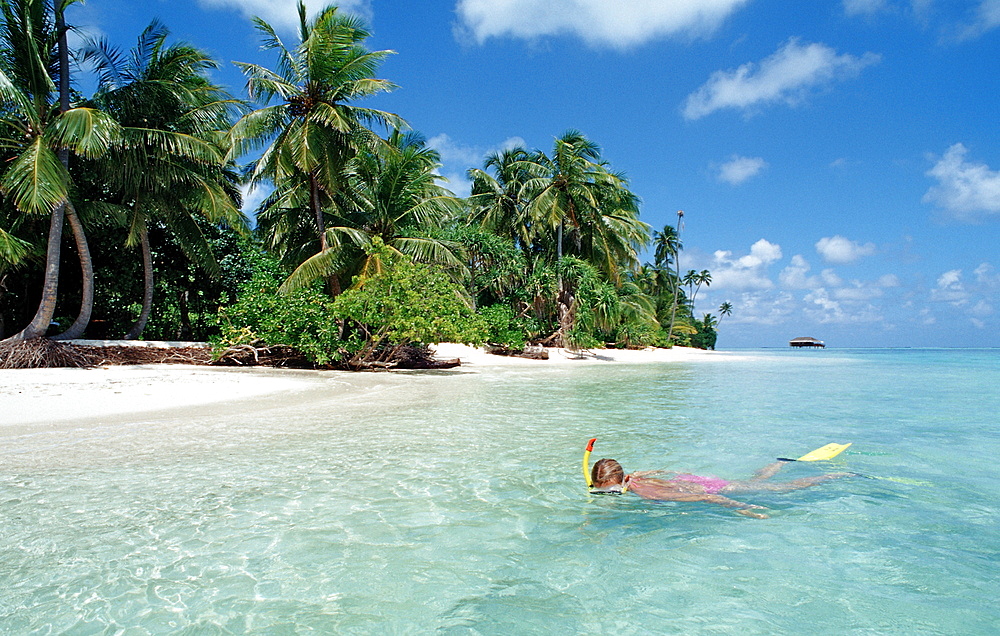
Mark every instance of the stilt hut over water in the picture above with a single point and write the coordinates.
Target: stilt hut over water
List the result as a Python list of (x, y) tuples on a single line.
[(806, 342)]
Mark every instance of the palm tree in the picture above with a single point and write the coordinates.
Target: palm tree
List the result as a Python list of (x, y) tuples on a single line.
[(704, 277), (725, 309), (170, 165), (676, 245), (499, 202), (575, 194), (38, 127), (314, 131), (560, 188), (396, 199)]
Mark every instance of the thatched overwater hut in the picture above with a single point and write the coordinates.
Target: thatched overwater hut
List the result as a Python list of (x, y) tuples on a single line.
[(806, 342)]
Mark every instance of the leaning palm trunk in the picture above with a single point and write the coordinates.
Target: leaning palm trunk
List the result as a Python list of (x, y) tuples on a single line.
[(50, 288), (87, 270), (147, 294)]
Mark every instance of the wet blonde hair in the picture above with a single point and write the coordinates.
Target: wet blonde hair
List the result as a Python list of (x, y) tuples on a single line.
[(607, 472)]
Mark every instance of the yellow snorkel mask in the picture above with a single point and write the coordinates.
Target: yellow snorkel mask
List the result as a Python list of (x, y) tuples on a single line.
[(587, 477)]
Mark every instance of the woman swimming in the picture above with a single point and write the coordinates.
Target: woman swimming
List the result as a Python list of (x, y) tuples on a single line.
[(608, 476)]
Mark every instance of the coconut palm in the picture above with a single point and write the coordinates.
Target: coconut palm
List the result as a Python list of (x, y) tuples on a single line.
[(673, 244), (591, 210), (396, 198), (310, 135), (725, 309), (498, 200), (704, 277), (37, 126), (170, 165)]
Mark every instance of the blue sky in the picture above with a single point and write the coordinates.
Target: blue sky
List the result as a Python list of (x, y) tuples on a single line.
[(837, 161)]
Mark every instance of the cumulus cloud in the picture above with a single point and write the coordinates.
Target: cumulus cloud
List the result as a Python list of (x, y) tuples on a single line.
[(598, 22), (739, 169), (840, 250), (787, 76), (795, 275), (763, 308), (986, 275), (968, 191), (748, 271), (283, 14), (950, 288)]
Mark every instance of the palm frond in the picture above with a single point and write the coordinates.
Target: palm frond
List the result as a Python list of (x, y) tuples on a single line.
[(36, 181)]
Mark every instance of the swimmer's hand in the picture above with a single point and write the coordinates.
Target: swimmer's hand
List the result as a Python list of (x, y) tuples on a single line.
[(751, 513)]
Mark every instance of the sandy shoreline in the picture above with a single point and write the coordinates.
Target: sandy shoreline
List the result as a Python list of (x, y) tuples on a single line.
[(36, 397)]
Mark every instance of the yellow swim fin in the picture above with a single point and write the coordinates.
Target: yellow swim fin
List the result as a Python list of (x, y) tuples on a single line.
[(826, 452)]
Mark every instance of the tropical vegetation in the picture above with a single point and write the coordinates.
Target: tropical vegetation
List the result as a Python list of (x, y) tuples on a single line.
[(357, 252)]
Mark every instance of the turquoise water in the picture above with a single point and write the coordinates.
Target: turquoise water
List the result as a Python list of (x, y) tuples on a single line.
[(453, 502)]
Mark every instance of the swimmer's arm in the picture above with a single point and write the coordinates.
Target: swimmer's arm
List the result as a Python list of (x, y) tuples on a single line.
[(647, 473), (665, 494), (744, 509)]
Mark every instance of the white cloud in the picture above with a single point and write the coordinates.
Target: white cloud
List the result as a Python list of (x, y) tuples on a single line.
[(457, 158), (763, 308), (739, 169), (452, 152), (965, 189), (748, 271), (794, 276), (284, 14), (598, 22), (787, 76), (950, 288), (986, 275), (952, 279), (253, 197), (985, 17), (889, 280), (982, 309), (864, 7), (840, 250)]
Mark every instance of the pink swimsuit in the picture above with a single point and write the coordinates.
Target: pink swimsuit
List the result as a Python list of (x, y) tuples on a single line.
[(711, 485)]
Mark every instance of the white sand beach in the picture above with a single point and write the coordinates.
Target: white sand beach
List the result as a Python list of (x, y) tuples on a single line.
[(33, 397)]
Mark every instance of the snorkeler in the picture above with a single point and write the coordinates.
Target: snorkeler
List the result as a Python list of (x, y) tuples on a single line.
[(608, 476)]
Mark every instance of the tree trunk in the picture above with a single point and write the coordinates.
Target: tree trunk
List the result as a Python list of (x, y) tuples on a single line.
[(50, 288), (333, 282), (86, 262), (147, 278), (185, 332), (87, 269)]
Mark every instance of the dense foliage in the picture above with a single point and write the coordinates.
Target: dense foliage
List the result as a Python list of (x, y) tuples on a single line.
[(358, 251)]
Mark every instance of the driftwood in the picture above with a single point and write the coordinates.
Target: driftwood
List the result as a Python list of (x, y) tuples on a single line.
[(530, 352)]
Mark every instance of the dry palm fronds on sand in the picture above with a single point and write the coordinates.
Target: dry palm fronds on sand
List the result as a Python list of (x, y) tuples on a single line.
[(38, 353)]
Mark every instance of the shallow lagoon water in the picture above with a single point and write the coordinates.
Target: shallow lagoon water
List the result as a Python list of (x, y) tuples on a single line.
[(453, 502)]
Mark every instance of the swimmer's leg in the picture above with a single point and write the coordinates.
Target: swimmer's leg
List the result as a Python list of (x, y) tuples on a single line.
[(768, 471), (786, 486)]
